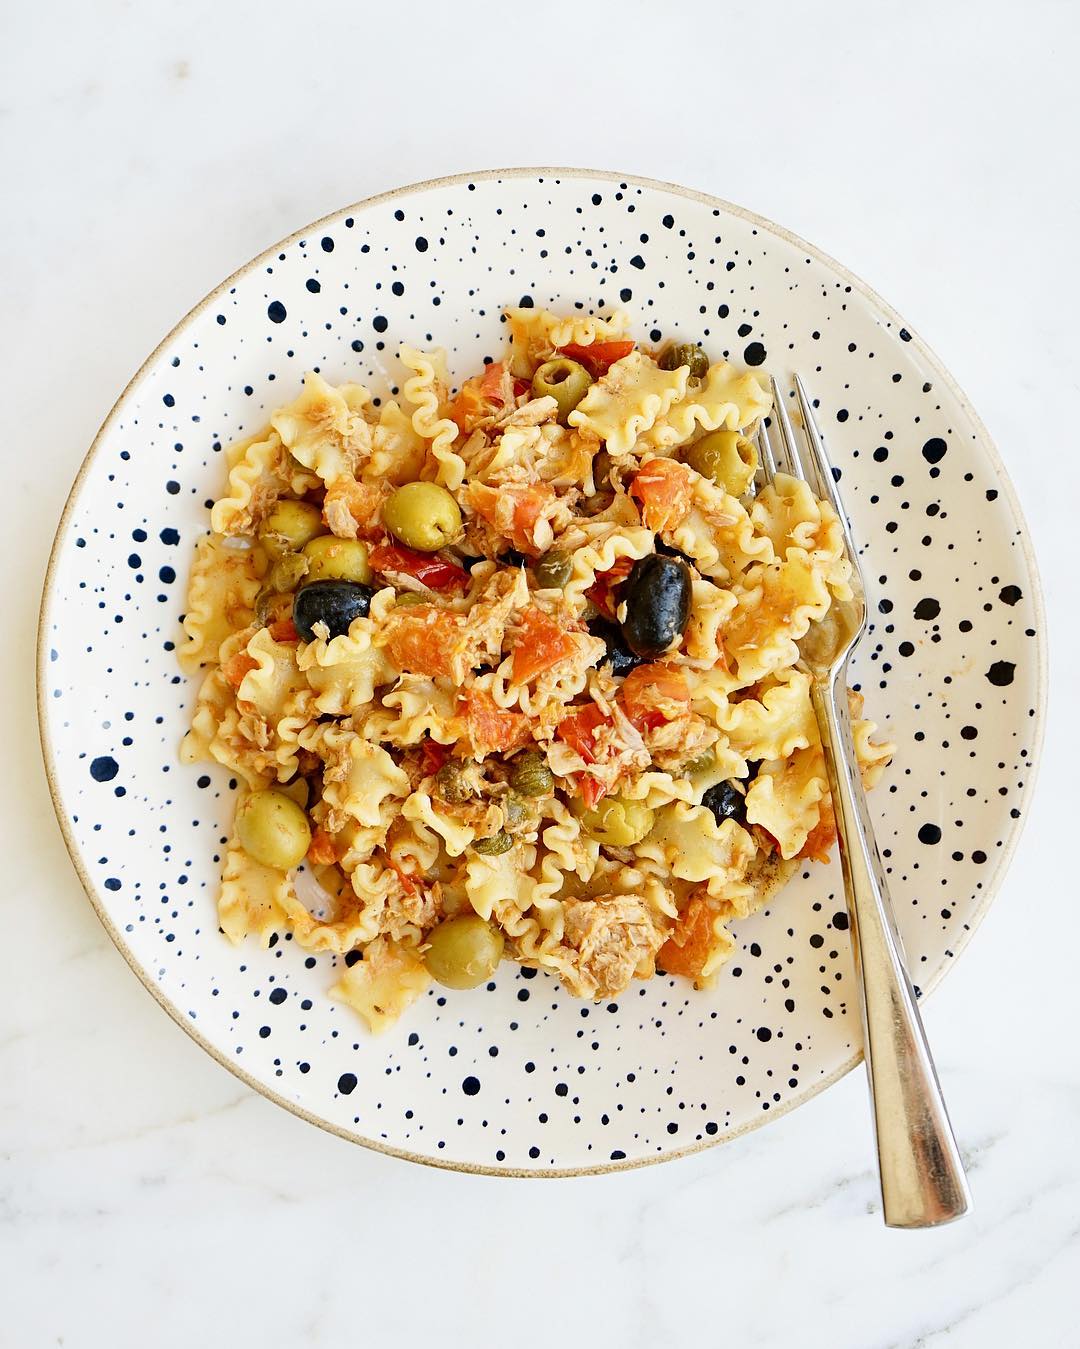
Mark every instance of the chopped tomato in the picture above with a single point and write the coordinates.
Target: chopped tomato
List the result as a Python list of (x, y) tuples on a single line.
[(687, 949), (821, 838), (482, 396), (353, 508), (408, 880), (432, 756), (579, 729), (541, 644), (512, 510), (602, 590), (592, 790), (236, 667), (490, 728), (664, 489), (426, 641), (433, 571), (284, 630), (468, 407), (321, 849), (649, 692), (599, 357), (491, 382)]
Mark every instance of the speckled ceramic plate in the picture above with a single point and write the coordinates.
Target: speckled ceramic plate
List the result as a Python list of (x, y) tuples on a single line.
[(523, 1078)]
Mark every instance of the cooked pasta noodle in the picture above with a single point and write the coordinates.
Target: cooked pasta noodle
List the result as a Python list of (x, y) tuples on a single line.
[(543, 675)]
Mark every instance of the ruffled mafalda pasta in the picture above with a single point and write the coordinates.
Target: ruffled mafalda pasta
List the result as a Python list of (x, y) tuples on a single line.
[(427, 390), (628, 400), (222, 590), (327, 429), (534, 691), (537, 334)]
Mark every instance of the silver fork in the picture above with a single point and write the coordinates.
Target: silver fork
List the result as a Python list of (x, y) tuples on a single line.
[(922, 1176)]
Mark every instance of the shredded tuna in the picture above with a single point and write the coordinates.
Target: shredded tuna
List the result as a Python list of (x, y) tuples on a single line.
[(613, 938)]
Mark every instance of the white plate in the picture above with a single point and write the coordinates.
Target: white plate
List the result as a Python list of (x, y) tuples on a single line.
[(524, 1078)]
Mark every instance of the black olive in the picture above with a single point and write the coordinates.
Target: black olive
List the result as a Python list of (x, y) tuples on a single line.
[(668, 551), (618, 653), (657, 596), (512, 558), (726, 803), (335, 603)]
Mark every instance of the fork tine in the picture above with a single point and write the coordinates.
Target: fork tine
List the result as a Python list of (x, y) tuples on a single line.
[(767, 463), (823, 469), (793, 463)]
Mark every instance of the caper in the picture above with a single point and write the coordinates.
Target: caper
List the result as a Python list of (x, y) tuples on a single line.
[(287, 573), (553, 570), (333, 559), (271, 608), (284, 576), (678, 354), (618, 823), (530, 775), (408, 597), (452, 784), (494, 844), (516, 811), (726, 457), (422, 515), (565, 381), (702, 764), (464, 951), (288, 526), (273, 829)]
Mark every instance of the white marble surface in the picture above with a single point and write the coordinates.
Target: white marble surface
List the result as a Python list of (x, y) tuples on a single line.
[(146, 1197)]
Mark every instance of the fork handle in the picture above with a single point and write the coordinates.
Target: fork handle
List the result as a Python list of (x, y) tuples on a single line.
[(922, 1176)]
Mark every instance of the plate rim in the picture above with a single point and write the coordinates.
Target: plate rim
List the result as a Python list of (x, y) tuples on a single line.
[(986, 444)]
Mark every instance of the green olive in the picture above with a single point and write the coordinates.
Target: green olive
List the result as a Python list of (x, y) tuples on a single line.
[(273, 829), (726, 457), (565, 381), (616, 822), (298, 791), (463, 952), (332, 559), (679, 354), (530, 775), (422, 515), (452, 784), (494, 844), (553, 570), (289, 526)]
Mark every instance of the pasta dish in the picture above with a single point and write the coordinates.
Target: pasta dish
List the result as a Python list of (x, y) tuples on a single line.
[(513, 671)]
